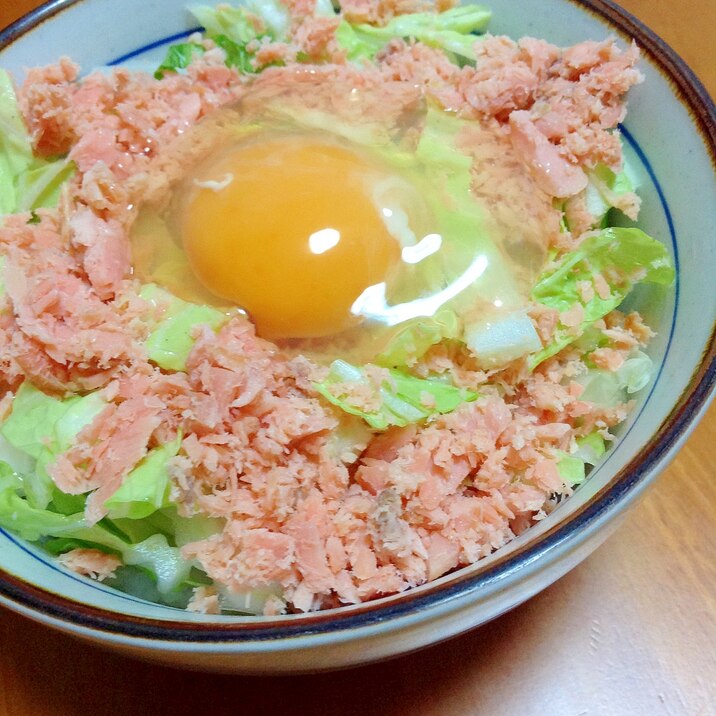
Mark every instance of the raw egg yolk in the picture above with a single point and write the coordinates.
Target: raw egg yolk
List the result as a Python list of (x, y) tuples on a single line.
[(288, 231)]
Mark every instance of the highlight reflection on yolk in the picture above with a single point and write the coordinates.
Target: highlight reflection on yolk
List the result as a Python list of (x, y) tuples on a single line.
[(293, 238)]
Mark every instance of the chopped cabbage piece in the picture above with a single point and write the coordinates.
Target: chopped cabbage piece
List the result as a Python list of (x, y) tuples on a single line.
[(401, 398)]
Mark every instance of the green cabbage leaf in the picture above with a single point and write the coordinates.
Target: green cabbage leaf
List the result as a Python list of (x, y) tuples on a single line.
[(588, 450), (453, 31), (26, 182), (415, 337), (41, 427), (604, 189), (154, 554), (623, 257), (178, 57), (170, 341), (236, 22), (234, 29), (401, 398), (146, 488)]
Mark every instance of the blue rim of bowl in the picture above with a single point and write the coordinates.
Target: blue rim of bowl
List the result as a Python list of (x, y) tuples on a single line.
[(675, 428)]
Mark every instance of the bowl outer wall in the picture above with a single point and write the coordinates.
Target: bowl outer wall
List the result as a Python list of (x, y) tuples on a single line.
[(439, 614)]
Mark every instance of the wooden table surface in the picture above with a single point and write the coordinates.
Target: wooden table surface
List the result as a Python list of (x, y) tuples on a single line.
[(630, 631)]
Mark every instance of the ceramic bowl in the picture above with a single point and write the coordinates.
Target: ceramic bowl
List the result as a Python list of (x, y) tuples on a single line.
[(671, 138)]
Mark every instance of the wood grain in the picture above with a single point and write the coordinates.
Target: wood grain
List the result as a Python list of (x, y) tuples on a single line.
[(630, 631)]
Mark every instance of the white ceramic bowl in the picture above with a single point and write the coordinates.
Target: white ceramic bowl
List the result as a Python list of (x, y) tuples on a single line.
[(671, 138)]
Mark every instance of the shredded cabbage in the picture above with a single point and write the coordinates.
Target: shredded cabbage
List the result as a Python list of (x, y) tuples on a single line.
[(26, 182), (42, 427), (146, 488), (603, 191), (415, 337), (610, 388), (233, 28), (401, 398), (623, 257), (571, 469), (33, 523), (235, 22), (588, 450), (453, 31), (178, 57), (171, 339)]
